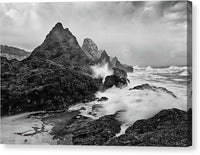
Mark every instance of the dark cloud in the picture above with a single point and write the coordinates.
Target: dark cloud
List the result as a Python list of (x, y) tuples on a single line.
[(133, 31)]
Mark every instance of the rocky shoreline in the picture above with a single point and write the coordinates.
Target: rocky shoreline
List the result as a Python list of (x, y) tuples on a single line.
[(58, 75)]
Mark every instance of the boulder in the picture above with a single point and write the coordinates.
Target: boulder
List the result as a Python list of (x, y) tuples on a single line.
[(114, 80)]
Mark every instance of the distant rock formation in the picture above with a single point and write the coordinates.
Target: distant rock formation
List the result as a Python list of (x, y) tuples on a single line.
[(61, 47), (104, 58), (116, 63), (101, 56), (91, 49), (13, 52), (153, 88)]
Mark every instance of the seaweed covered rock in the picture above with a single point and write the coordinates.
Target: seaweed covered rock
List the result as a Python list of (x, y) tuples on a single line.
[(47, 87), (171, 127), (97, 132)]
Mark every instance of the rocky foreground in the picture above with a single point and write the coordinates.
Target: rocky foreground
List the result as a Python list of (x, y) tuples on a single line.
[(170, 127)]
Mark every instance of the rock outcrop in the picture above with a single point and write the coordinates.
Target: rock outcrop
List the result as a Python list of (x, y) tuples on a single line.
[(117, 64), (13, 53), (97, 132), (120, 73), (49, 87), (91, 49), (104, 58), (61, 47), (101, 57), (114, 80), (170, 127), (153, 88), (53, 77)]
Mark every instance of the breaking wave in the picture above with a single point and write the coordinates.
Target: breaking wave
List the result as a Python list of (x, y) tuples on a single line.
[(101, 71)]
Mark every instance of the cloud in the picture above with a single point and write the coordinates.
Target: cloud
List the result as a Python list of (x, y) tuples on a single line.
[(144, 33)]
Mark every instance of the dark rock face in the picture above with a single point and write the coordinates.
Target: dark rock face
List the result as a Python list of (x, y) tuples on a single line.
[(113, 63), (97, 132), (53, 77), (101, 57), (47, 87), (102, 99), (61, 47), (8, 67), (13, 53), (91, 49), (153, 88), (116, 63), (120, 73), (105, 58), (114, 80), (64, 125), (170, 127)]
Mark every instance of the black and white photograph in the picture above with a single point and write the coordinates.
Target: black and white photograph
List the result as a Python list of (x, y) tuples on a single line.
[(112, 73)]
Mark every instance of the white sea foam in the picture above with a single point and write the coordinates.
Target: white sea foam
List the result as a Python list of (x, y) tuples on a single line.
[(101, 71), (149, 68), (184, 73), (138, 104)]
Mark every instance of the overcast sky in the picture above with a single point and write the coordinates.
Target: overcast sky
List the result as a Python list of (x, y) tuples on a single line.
[(138, 33)]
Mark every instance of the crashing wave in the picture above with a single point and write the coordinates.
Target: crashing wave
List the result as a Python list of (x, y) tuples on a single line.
[(184, 73), (176, 67), (101, 71), (149, 68)]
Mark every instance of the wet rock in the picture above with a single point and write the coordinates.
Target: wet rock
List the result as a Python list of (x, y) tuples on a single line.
[(114, 80), (102, 99), (120, 73), (97, 132), (153, 88), (64, 124), (171, 127), (96, 107)]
